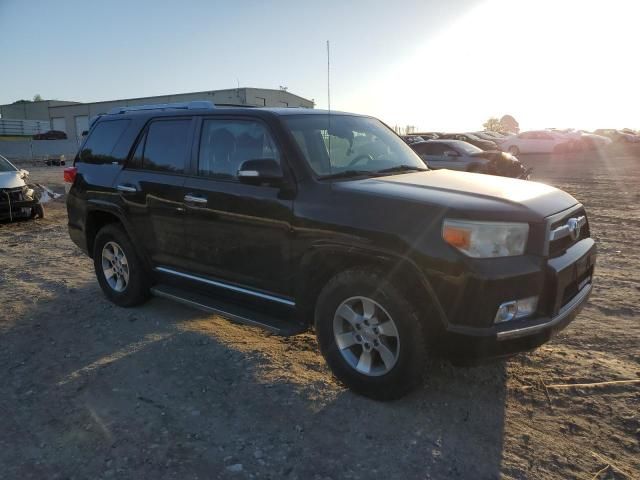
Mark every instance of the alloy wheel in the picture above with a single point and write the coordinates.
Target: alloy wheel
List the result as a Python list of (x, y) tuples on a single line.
[(366, 336), (115, 266)]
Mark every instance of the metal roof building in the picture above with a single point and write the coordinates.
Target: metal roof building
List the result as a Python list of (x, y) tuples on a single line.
[(73, 117)]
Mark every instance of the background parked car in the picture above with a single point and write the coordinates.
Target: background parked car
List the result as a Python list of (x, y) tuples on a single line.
[(429, 135), (538, 141), (590, 141), (618, 136), (484, 136), (472, 139), (496, 135), (409, 139), (459, 155), (50, 135), (17, 198)]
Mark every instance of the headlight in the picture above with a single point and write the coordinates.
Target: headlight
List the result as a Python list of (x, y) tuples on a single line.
[(486, 239)]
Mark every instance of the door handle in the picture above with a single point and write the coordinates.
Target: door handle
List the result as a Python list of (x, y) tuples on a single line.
[(126, 188), (191, 198)]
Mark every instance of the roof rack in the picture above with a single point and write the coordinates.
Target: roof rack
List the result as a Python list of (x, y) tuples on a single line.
[(194, 105)]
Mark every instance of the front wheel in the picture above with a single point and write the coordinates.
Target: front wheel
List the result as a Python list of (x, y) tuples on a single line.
[(513, 150), (119, 270), (370, 335)]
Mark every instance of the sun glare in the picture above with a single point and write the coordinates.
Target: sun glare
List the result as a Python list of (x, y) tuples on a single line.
[(548, 63)]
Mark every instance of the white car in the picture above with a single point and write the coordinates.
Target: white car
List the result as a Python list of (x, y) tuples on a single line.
[(17, 198), (538, 141)]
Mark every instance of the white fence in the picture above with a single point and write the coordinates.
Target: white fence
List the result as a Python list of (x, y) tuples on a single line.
[(23, 127), (38, 149)]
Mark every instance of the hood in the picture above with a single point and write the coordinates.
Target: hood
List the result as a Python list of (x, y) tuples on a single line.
[(469, 194), (11, 180)]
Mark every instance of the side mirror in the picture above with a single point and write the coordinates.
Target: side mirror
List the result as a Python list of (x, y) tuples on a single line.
[(260, 170), (451, 153), (24, 173)]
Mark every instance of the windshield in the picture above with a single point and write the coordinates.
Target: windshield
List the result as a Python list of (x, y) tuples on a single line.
[(465, 147), (6, 166), (350, 143)]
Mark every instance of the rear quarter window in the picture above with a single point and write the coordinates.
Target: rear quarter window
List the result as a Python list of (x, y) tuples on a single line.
[(99, 147)]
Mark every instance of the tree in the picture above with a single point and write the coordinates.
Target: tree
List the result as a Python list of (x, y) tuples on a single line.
[(37, 98), (493, 125), (510, 124)]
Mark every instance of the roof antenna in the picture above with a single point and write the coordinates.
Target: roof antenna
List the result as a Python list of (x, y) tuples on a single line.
[(329, 102), (328, 77)]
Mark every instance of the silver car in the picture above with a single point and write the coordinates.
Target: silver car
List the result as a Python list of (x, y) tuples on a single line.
[(460, 155)]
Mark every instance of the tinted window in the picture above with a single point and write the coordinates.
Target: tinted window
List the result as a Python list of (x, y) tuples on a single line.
[(102, 141), (437, 149), (426, 148), (165, 148), (225, 144)]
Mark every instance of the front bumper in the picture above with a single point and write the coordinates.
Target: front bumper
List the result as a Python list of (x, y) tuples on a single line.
[(14, 204), (567, 287)]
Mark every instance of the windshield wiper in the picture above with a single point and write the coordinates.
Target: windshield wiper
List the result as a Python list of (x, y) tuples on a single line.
[(347, 174), (402, 168)]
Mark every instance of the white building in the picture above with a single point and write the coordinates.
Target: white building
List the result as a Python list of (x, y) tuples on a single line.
[(73, 117)]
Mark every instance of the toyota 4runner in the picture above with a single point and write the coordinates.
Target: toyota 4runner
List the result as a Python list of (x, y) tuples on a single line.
[(295, 218)]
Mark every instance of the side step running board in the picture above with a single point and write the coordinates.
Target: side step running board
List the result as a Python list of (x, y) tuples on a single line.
[(228, 310)]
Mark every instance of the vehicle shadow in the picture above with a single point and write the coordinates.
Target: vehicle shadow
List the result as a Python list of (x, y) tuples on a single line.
[(162, 391)]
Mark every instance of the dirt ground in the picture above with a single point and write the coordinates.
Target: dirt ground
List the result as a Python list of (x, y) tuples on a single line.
[(90, 390)]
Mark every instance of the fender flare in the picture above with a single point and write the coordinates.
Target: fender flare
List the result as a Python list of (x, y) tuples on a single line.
[(364, 255), (95, 205)]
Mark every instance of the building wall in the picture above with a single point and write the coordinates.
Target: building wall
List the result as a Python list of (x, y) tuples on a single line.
[(30, 110), (241, 96)]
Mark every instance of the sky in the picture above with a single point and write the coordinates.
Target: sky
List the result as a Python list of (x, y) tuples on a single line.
[(437, 65)]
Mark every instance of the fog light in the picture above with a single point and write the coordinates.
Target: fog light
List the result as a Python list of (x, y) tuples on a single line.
[(516, 309)]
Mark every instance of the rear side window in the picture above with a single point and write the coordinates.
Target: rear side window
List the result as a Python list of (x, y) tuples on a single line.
[(165, 147), (434, 148), (101, 143)]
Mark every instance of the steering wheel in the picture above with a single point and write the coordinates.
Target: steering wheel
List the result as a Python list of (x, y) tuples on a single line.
[(359, 158)]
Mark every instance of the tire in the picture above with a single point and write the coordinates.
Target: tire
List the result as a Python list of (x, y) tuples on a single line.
[(405, 354), (513, 150), (130, 285)]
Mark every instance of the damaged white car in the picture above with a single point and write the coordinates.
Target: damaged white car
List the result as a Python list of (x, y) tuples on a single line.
[(18, 199)]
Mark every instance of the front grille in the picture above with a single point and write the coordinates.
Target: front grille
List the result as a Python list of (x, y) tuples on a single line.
[(573, 288), (559, 246), (11, 194)]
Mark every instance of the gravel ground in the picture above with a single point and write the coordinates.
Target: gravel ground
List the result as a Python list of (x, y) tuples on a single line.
[(90, 390)]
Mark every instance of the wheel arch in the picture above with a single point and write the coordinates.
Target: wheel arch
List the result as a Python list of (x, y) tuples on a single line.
[(100, 215), (322, 264)]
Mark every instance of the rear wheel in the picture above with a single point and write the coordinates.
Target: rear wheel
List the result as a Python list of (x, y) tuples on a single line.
[(370, 335), (119, 270)]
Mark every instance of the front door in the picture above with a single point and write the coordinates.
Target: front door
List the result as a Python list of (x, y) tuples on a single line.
[(235, 232)]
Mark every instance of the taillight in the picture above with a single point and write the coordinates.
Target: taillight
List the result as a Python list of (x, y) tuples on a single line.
[(70, 174)]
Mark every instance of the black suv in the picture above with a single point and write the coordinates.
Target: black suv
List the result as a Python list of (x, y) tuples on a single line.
[(291, 218)]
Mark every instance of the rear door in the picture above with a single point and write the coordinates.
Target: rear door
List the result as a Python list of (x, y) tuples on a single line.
[(545, 142), (151, 187), (237, 233)]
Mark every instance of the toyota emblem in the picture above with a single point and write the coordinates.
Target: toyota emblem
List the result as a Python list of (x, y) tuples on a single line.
[(574, 228)]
